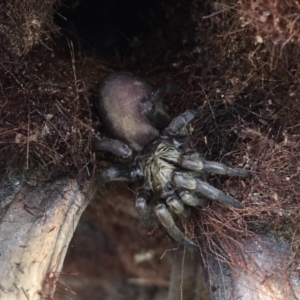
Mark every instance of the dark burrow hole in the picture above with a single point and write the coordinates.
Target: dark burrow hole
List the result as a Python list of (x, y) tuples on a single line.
[(133, 31)]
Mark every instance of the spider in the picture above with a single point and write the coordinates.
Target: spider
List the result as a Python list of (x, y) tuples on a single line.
[(155, 147)]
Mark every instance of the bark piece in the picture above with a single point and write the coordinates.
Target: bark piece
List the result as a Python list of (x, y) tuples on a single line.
[(35, 232)]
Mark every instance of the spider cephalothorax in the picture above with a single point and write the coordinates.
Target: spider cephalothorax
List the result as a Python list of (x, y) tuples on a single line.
[(174, 176)]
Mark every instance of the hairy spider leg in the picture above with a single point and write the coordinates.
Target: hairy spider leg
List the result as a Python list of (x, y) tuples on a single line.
[(167, 221), (154, 109), (178, 126), (192, 199), (177, 206), (115, 147), (184, 180), (120, 173), (141, 203), (193, 161)]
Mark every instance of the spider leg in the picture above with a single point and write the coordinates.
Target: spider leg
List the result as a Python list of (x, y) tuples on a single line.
[(191, 199), (178, 126), (141, 204), (177, 206), (154, 109), (186, 181), (113, 146), (120, 173), (194, 161), (167, 221), (158, 96)]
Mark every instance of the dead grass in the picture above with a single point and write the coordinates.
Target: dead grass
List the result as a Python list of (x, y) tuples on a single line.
[(277, 21), (25, 24), (248, 96), (46, 121)]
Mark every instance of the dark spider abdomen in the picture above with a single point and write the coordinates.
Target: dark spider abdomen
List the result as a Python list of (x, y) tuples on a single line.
[(120, 100)]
